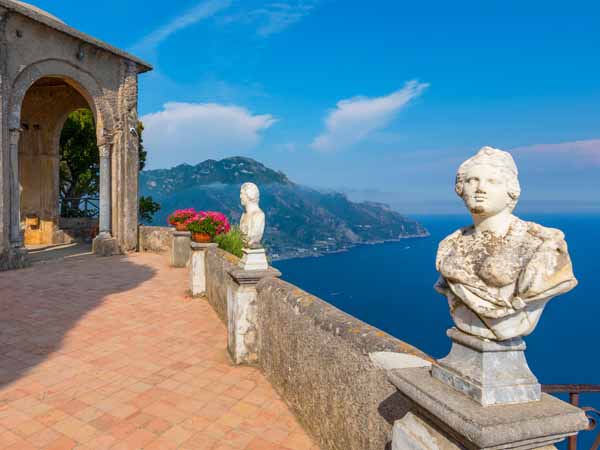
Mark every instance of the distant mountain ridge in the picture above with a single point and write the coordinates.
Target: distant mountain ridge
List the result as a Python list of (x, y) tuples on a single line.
[(235, 170), (300, 221)]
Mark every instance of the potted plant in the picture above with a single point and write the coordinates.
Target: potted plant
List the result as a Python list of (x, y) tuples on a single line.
[(179, 217), (205, 225)]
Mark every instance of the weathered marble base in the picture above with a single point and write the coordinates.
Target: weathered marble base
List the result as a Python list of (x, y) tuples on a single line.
[(104, 245), (254, 259), (491, 373), (180, 248), (198, 268), (442, 411), (242, 329), (413, 433), (14, 258)]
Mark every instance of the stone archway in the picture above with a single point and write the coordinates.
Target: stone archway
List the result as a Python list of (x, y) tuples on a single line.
[(45, 108), (35, 84)]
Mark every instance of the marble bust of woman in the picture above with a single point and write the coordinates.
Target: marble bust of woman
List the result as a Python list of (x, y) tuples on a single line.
[(252, 223), (499, 273)]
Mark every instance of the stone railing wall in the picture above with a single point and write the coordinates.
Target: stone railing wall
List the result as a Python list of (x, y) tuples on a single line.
[(218, 281), (318, 358), (155, 239), (78, 228), (352, 386)]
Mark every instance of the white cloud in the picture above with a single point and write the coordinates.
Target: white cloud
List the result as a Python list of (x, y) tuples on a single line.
[(587, 151), (192, 132), (201, 11), (278, 16), (357, 118), (274, 17)]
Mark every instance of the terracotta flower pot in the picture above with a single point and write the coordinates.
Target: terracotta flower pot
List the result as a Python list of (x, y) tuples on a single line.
[(201, 237), (180, 226)]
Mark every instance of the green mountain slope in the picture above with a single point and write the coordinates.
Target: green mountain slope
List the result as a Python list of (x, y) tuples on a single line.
[(300, 221)]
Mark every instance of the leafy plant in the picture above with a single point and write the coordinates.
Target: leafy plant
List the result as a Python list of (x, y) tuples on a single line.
[(148, 207), (232, 241), (79, 166)]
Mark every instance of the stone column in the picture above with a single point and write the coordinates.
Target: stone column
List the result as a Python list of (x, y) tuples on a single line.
[(198, 268), (180, 248), (16, 237), (242, 328), (14, 257), (105, 194), (104, 244)]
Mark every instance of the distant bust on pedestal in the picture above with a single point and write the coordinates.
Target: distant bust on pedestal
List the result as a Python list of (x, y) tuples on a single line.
[(252, 223), (499, 273)]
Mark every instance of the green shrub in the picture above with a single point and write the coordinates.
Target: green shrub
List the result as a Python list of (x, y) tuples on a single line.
[(232, 242)]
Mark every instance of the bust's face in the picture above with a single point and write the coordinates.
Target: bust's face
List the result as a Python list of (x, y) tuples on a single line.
[(485, 190), (243, 198)]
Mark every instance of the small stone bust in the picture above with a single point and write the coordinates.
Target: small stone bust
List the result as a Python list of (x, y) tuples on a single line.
[(499, 273), (252, 223)]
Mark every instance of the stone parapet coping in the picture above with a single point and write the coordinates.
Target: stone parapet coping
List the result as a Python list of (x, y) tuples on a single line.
[(202, 246), (242, 276), (519, 426), (362, 336)]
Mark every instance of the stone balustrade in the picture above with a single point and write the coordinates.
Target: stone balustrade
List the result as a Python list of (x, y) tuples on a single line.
[(352, 386)]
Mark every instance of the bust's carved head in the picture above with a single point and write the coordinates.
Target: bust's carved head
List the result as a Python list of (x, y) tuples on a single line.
[(488, 182), (249, 194)]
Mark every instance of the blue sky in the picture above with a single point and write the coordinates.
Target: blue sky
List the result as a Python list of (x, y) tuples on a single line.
[(381, 99)]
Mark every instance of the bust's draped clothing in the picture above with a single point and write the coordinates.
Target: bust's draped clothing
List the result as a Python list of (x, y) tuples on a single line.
[(489, 279)]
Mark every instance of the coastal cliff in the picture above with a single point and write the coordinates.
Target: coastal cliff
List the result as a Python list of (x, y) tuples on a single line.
[(302, 221)]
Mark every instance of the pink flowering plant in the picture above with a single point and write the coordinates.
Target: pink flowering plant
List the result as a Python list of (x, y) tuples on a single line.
[(181, 216), (209, 222)]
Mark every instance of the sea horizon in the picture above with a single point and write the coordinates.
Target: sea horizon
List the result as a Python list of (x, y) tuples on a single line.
[(396, 295)]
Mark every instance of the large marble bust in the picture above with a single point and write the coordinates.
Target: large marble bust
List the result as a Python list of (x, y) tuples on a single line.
[(499, 273), (252, 223)]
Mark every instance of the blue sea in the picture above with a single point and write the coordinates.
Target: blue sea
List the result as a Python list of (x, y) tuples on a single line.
[(390, 286)]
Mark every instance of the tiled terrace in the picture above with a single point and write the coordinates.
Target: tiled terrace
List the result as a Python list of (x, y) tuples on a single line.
[(99, 353)]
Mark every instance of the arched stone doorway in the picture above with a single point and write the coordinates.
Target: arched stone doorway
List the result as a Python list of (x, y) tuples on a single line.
[(45, 108), (47, 69)]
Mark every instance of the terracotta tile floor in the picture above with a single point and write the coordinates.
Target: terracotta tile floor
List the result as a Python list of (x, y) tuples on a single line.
[(99, 353)]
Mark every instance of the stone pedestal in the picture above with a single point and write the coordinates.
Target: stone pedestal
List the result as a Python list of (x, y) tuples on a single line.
[(198, 268), (254, 259), (242, 329), (105, 245), (14, 258), (444, 418), (180, 248), (489, 372)]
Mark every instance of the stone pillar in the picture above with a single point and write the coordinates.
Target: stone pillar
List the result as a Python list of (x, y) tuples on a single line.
[(15, 256), (242, 328), (104, 244), (105, 194), (445, 418), (181, 248), (16, 237), (198, 268)]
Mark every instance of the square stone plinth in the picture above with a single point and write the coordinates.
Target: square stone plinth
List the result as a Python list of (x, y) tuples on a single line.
[(198, 267), (490, 372), (531, 425), (254, 259)]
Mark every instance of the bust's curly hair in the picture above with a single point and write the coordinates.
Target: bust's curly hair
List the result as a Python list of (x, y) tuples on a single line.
[(251, 191), (495, 158)]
